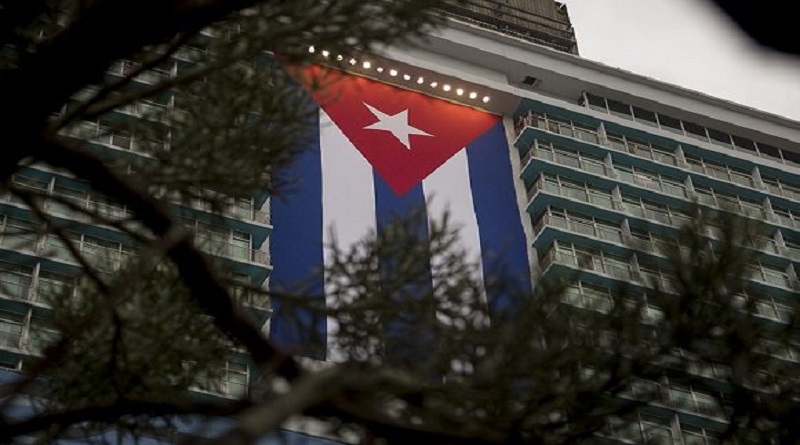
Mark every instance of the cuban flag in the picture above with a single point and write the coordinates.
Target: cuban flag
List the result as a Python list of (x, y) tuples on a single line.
[(383, 152)]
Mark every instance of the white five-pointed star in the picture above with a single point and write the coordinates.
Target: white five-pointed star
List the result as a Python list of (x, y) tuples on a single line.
[(396, 124)]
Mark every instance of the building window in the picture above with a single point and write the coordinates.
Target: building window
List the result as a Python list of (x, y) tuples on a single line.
[(592, 259), (579, 223), (691, 129), (563, 127), (19, 234), (726, 201), (769, 308), (232, 380), (42, 333), (694, 435), (597, 103), (15, 280), (572, 189), (650, 180), (619, 109), (51, 284), (787, 217), (641, 148), (588, 296), (11, 328), (691, 399), (773, 275)]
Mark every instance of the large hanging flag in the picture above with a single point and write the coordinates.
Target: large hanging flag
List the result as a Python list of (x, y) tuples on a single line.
[(383, 152)]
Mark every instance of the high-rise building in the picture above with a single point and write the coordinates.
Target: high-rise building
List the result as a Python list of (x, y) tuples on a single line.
[(605, 166)]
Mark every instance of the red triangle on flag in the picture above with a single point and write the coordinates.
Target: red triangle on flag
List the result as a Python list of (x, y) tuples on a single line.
[(404, 135)]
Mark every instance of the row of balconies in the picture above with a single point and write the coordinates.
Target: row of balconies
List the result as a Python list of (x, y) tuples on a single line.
[(629, 270), (662, 155), (655, 212), (681, 189), (108, 255), (81, 199)]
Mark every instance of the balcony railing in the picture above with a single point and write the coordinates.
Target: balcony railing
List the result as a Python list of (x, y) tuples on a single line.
[(603, 232), (38, 338), (250, 297), (232, 251), (558, 126), (596, 197), (126, 67), (10, 339), (89, 131)]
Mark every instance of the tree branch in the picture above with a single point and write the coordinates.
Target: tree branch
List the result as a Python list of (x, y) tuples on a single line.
[(112, 412)]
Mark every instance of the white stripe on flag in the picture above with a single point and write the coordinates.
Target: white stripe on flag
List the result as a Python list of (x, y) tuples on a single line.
[(448, 189), (348, 201)]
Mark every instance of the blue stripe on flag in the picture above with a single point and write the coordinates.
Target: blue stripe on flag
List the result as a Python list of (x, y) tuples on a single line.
[(389, 206), (296, 247), (404, 342), (503, 243)]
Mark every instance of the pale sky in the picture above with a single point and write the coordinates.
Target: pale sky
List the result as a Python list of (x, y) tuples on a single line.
[(688, 43)]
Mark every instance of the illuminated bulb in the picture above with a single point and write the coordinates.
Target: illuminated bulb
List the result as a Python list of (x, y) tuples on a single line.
[(460, 91), (392, 72), (352, 61), (434, 84), (366, 65), (485, 99), (311, 49), (420, 80), (406, 77), (339, 57), (325, 53), (446, 87), (380, 69), (473, 95)]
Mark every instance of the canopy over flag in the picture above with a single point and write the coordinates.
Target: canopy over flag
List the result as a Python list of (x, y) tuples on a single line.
[(383, 152)]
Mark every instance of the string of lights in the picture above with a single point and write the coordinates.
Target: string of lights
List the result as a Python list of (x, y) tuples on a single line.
[(368, 65)]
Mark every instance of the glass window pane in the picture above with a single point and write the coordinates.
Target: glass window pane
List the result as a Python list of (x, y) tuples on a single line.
[(743, 144), (695, 164), (664, 155), (597, 103), (670, 124), (791, 157), (645, 117), (695, 131), (769, 151), (616, 141), (619, 109), (720, 138)]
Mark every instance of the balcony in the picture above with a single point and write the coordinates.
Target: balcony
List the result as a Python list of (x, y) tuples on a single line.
[(92, 132), (561, 127), (126, 67), (9, 338), (239, 252), (82, 199), (250, 297)]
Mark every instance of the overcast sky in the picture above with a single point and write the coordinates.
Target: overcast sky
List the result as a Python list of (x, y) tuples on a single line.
[(689, 43)]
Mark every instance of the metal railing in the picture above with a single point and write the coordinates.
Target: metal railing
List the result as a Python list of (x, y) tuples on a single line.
[(232, 251)]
